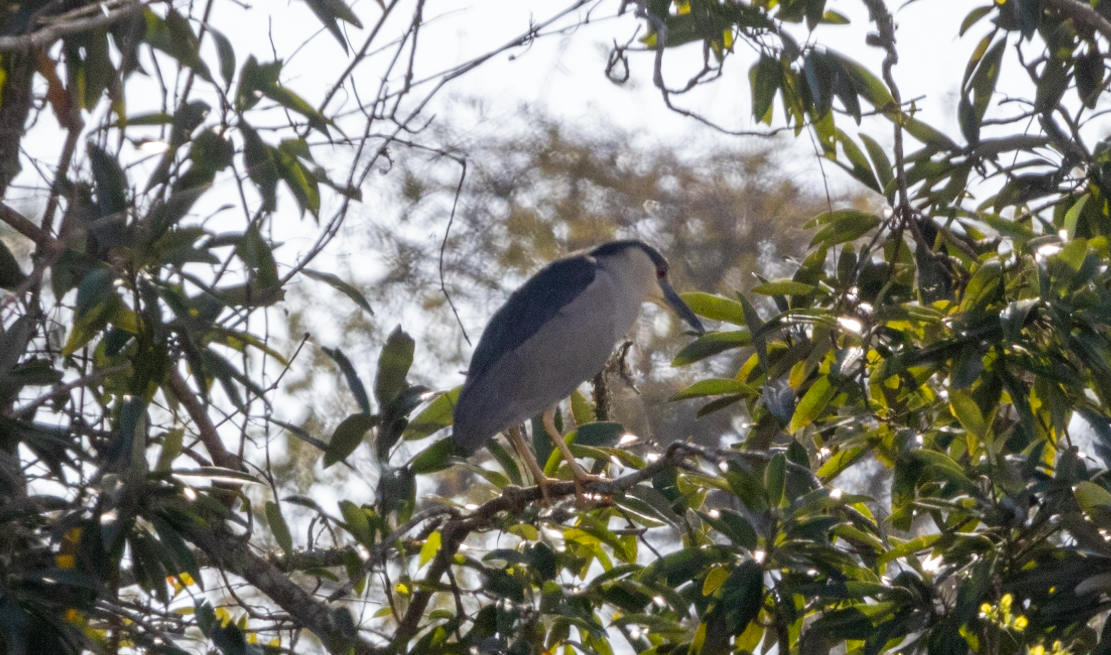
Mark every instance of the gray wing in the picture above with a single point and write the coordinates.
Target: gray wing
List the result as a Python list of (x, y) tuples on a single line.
[(530, 307), (489, 401)]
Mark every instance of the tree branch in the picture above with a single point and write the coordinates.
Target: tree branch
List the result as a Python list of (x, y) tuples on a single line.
[(205, 428), (24, 226), (232, 554), (51, 33), (513, 501)]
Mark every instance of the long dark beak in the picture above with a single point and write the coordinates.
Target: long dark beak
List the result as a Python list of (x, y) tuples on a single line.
[(676, 303)]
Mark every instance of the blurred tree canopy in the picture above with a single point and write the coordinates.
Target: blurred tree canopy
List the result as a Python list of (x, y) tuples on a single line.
[(959, 338), (536, 189)]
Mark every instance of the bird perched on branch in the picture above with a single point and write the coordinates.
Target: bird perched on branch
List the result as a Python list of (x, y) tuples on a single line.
[(553, 333)]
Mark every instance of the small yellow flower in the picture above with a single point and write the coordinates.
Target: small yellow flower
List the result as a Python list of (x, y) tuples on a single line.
[(1020, 623)]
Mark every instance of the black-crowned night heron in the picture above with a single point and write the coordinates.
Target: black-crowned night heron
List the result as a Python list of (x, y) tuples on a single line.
[(553, 333)]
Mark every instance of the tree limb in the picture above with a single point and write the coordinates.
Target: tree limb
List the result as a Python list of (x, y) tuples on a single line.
[(232, 554), (47, 35), (21, 224), (513, 501), (205, 428)]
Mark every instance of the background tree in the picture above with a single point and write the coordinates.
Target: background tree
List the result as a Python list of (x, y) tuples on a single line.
[(534, 191)]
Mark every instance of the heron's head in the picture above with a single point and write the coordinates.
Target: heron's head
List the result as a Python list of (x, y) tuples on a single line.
[(646, 271)]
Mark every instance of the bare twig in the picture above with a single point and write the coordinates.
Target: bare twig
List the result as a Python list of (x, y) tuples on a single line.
[(443, 246)]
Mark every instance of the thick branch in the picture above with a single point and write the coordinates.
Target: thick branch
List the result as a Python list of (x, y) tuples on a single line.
[(513, 501), (205, 428), (231, 553), (47, 35), (21, 224)]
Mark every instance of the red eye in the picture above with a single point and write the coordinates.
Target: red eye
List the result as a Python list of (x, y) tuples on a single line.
[(660, 273)]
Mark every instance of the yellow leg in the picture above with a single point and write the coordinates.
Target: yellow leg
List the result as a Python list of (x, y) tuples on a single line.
[(526, 455), (578, 473)]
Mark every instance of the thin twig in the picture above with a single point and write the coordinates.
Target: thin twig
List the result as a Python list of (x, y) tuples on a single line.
[(443, 246)]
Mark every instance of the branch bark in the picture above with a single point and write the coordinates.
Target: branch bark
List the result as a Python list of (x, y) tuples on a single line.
[(47, 35), (24, 226), (1083, 13), (205, 428), (232, 554)]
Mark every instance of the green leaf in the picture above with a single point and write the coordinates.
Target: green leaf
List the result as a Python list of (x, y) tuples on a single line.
[(870, 87), (581, 408), (258, 158), (393, 366), (909, 547), (111, 183), (711, 344), (842, 226), (328, 11), (166, 215), (11, 275), (96, 301), (599, 433), (226, 54), (1052, 84), (278, 527), (257, 80), (433, 418), (347, 437), (217, 473), (715, 387), (983, 81), (1089, 73), (184, 44), (353, 381), (436, 457), (861, 170), (357, 522), (967, 412), (812, 403), (301, 434), (1072, 216), (973, 17), (715, 308), (341, 286), (784, 288), (927, 135), (150, 118), (300, 180), (775, 477), (171, 448), (253, 77), (256, 253), (430, 548), (880, 163), (765, 77), (1092, 497)]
